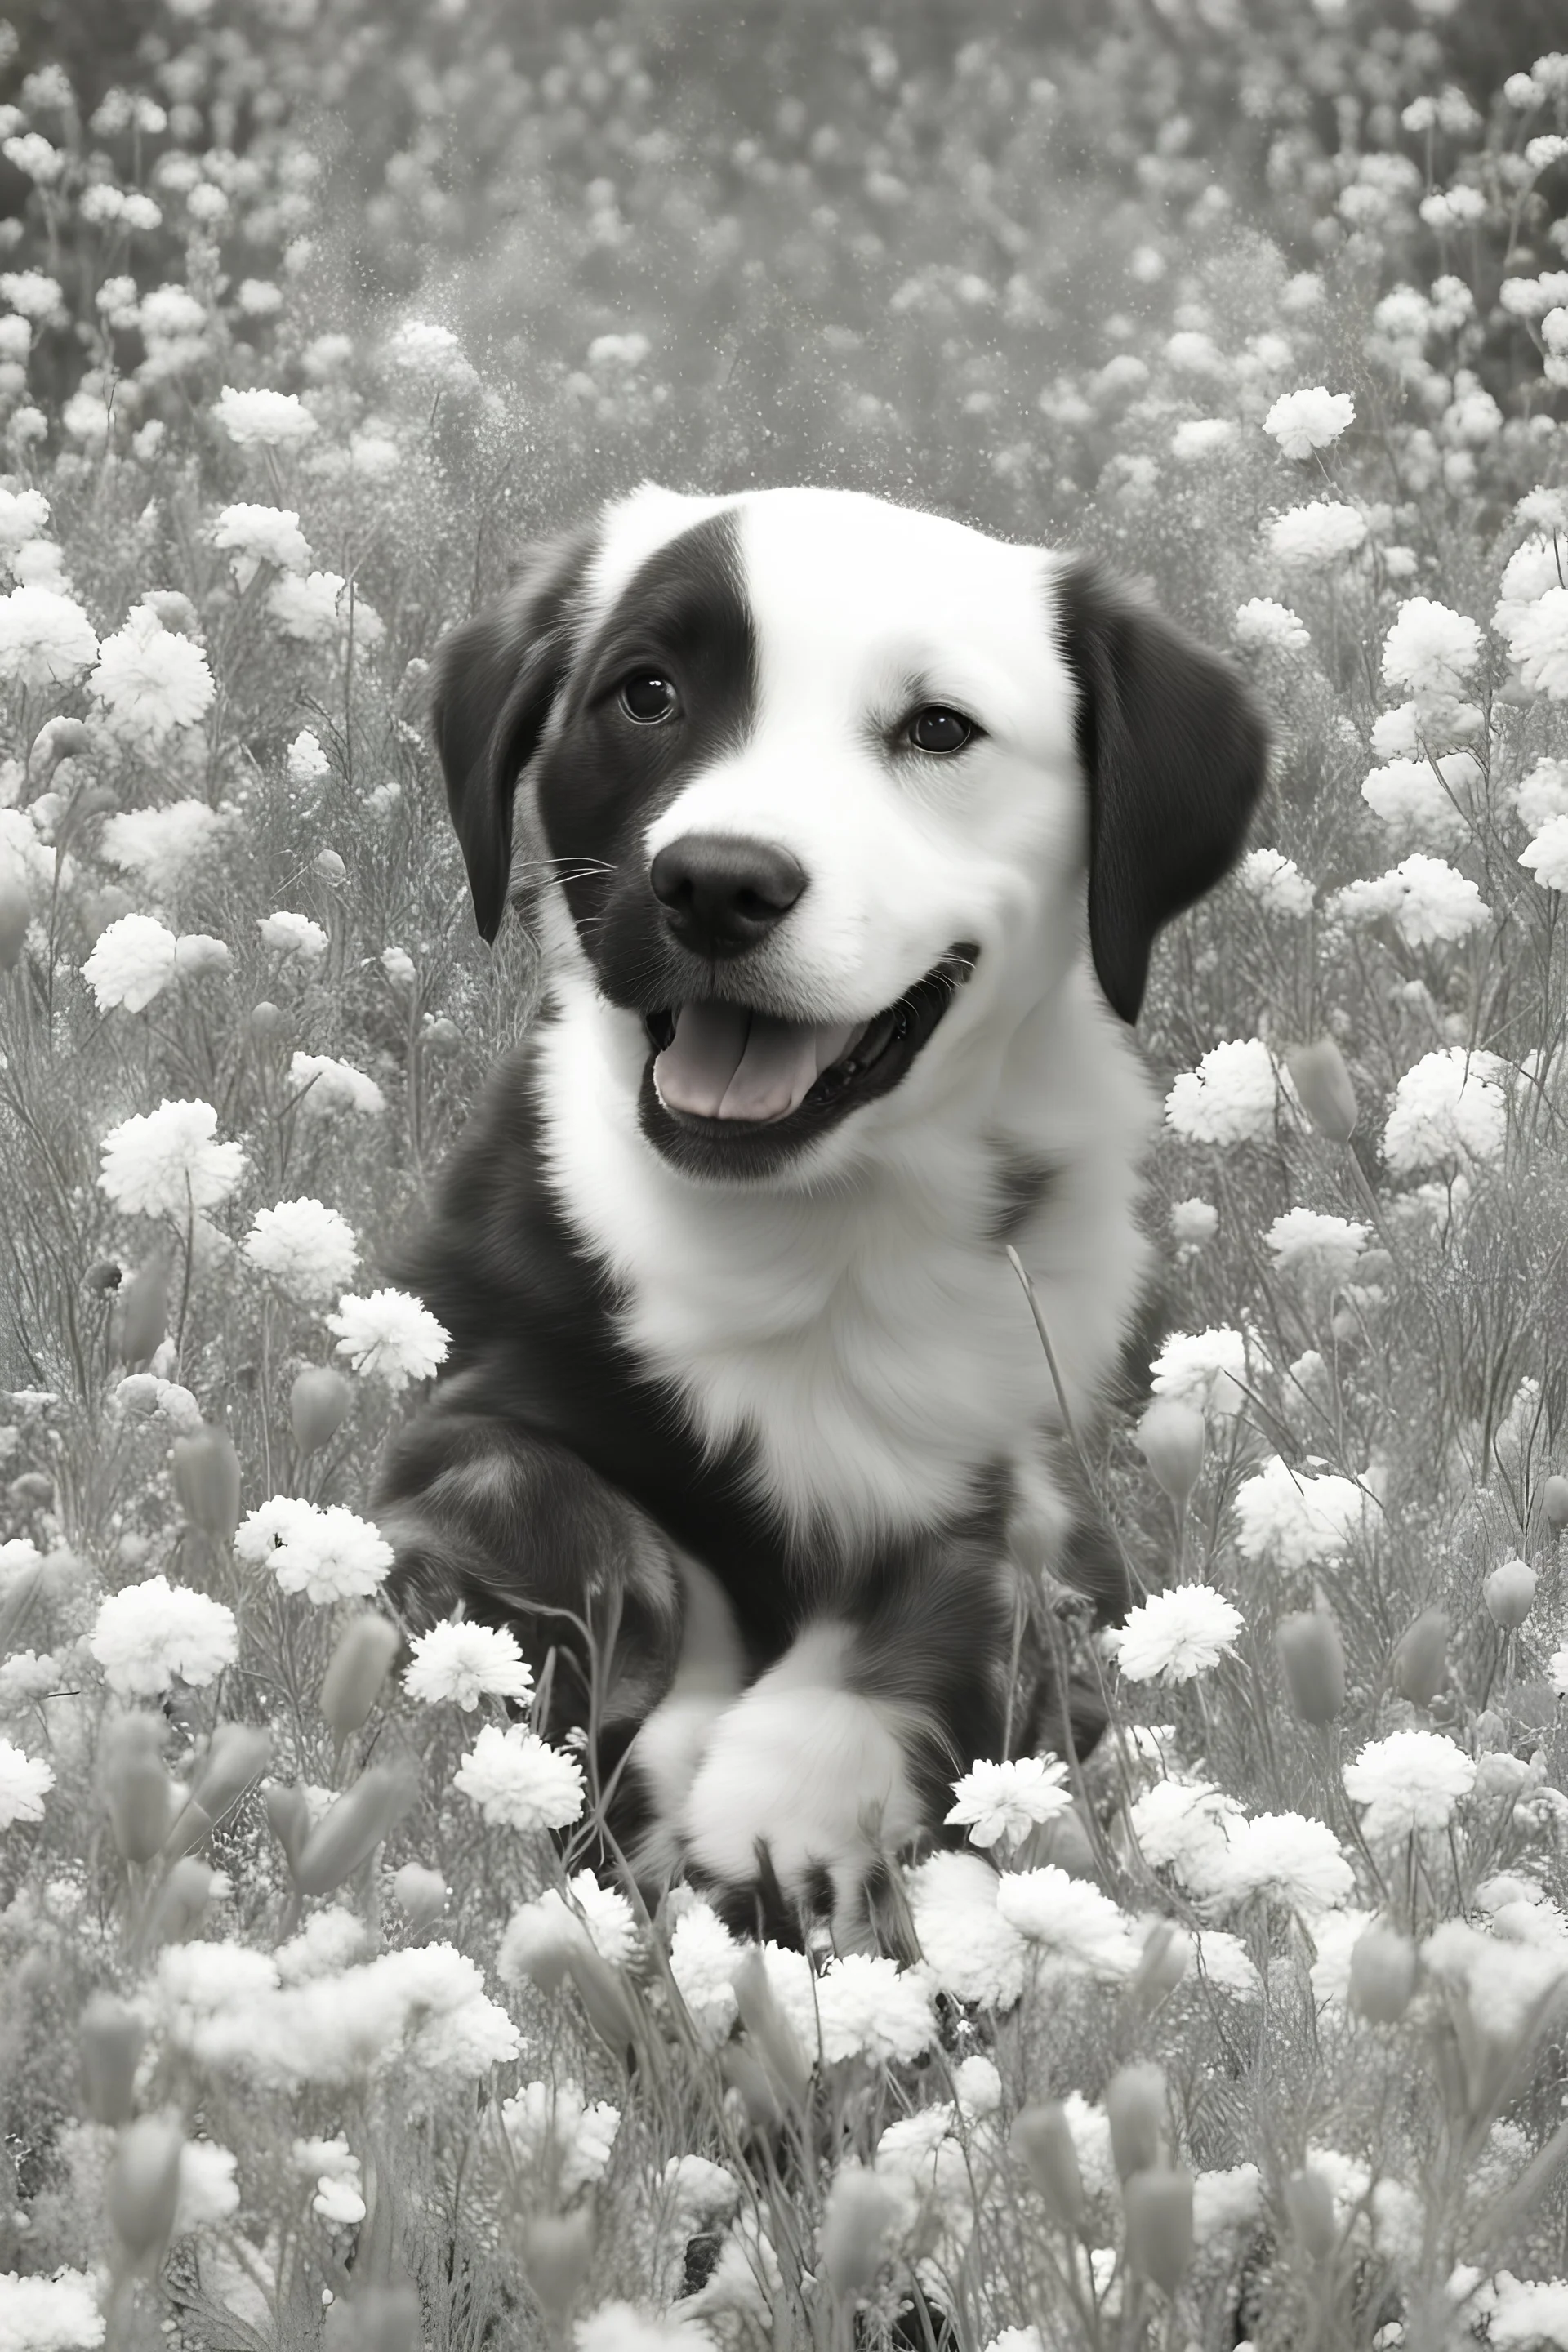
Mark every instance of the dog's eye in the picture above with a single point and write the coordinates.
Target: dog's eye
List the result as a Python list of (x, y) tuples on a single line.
[(937, 729), (647, 697)]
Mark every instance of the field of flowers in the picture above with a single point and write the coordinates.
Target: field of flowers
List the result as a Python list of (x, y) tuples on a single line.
[(314, 2028)]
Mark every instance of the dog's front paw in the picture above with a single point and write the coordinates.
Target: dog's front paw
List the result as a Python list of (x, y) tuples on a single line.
[(803, 1792)]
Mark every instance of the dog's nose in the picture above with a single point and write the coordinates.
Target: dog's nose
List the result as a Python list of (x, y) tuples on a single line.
[(721, 893)]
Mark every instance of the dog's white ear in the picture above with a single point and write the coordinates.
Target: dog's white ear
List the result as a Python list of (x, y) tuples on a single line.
[(496, 680), (1174, 750)]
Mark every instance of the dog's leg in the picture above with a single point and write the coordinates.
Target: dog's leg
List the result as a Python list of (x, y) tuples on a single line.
[(845, 1750), (517, 1531)]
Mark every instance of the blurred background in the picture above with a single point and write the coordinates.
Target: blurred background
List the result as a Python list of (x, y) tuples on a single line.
[(873, 245)]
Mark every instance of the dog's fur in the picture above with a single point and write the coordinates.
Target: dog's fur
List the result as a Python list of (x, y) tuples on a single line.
[(752, 1410)]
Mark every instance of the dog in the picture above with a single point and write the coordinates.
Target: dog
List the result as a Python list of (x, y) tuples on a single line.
[(847, 831)]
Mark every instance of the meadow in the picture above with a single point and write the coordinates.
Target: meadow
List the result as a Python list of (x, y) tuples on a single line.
[(1251, 2028)]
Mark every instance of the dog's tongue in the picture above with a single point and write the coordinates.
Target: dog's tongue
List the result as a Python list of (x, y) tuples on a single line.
[(726, 1062)]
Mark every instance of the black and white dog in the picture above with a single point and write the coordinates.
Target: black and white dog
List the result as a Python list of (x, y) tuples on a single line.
[(856, 828)]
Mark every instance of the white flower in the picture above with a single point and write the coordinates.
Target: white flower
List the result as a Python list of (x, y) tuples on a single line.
[(971, 1952), (870, 2008), (1181, 1826), (262, 419), (1193, 1223), (150, 681), (1425, 800), (24, 516), (131, 962), (1227, 2200), (1200, 437), (1066, 1919), (1262, 624), (1523, 2315), (30, 292), (1529, 571), (1542, 795), (34, 156), (326, 1085), (389, 1335), (694, 2191), (1303, 421), (63, 2313), (621, 2327), (254, 535), (559, 2138), (1276, 881), (305, 763), (149, 1633), (1231, 1097), (327, 1553), (162, 847), (1427, 900), (25, 1782), (1306, 1241), (168, 1164), (1310, 538), (307, 1248), (45, 639), (703, 1957), (519, 1781), (1295, 1519), (315, 610), (1335, 1936), (208, 2192), (1004, 1800), (1206, 1370), (1547, 856), (1411, 1781), (1177, 1635), (1539, 644), (465, 1663), (24, 1678), (1430, 649), (293, 935), (1290, 1857), (1450, 1108), (431, 352)]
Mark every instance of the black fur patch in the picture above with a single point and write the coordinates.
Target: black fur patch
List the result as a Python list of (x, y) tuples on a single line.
[(1174, 750)]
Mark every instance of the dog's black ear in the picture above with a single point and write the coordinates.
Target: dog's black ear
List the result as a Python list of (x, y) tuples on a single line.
[(1174, 750), (496, 680)]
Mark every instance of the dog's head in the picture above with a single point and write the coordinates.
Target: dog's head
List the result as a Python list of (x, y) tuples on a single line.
[(824, 791)]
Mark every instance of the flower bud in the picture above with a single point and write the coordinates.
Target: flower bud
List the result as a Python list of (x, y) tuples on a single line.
[(419, 1894), (1555, 1503), (1421, 1657), (1171, 1439), (330, 867), (141, 1310), (237, 1755), (15, 915), (1312, 1661), (861, 2212), (773, 2036), (1309, 2204), (1163, 1963), (318, 1402), (1158, 2207), (358, 1671), (605, 1997), (1323, 1085), (113, 2035), (137, 1790), (350, 1830), (1043, 2137), (268, 1022), (1135, 2104), (143, 2184), (181, 1903), (57, 740), (1510, 1594), (1383, 1974), (750, 2096), (557, 2255), (207, 1480), (289, 1817), (441, 1035)]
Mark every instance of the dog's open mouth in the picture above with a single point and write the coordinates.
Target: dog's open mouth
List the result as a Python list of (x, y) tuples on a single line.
[(715, 1060)]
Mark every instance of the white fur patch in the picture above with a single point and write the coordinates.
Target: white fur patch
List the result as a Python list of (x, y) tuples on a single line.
[(669, 1748), (814, 1770)]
